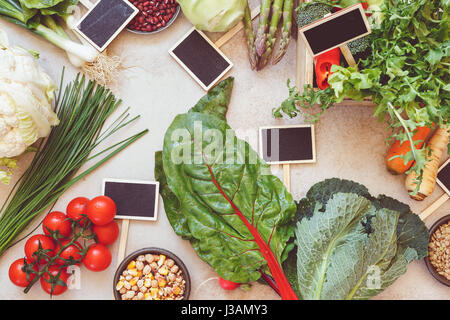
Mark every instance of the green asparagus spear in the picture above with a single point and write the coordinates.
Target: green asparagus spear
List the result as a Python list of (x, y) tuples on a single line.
[(277, 10), (248, 27), (288, 11), (261, 33)]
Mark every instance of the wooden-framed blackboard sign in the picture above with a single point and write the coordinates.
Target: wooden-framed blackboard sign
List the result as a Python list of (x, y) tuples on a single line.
[(104, 21), (443, 180), (135, 200), (336, 30), (201, 58), (443, 177), (287, 144)]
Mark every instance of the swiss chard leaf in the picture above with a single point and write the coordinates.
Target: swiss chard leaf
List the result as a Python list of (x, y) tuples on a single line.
[(229, 205)]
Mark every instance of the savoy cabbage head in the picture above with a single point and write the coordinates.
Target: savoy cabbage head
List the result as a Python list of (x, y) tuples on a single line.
[(351, 245)]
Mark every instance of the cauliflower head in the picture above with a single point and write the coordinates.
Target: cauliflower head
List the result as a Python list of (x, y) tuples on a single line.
[(26, 94)]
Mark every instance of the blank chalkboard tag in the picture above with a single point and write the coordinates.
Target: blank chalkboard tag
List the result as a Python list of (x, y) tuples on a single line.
[(201, 58), (135, 200), (336, 30), (105, 20), (288, 144), (443, 180)]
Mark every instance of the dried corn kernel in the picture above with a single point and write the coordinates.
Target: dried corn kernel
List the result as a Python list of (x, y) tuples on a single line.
[(163, 271), (176, 290), (147, 269), (134, 281), (154, 292), (161, 260), (132, 272), (162, 282), (147, 296), (119, 285), (148, 283), (131, 265), (139, 265)]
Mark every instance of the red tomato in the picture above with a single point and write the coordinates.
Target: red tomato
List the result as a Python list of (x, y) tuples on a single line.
[(32, 245), (101, 210), (228, 285), (54, 270), (98, 258), (57, 221), (18, 276), (106, 234), (76, 208), (71, 251)]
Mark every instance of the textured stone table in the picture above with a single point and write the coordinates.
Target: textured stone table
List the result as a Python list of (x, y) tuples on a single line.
[(350, 144)]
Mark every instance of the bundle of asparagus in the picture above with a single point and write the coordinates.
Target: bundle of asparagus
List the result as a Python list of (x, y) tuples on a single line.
[(261, 46)]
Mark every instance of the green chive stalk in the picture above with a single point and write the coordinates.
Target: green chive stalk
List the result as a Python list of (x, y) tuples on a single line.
[(82, 109)]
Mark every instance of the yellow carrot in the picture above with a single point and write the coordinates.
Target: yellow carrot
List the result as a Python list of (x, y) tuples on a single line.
[(437, 144)]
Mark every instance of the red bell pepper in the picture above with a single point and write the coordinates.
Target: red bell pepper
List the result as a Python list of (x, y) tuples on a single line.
[(323, 64)]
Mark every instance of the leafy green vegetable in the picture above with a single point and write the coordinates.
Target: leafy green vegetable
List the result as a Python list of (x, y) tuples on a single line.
[(351, 245), (214, 16), (237, 215), (407, 73)]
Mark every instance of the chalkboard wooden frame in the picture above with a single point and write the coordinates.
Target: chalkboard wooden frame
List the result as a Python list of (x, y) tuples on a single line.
[(181, 63), (156, 183), (107, 43), (313, 144), (440, 183), (330, 18)]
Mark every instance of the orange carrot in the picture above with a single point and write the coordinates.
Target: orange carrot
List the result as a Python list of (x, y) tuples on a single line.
[(397, 165)]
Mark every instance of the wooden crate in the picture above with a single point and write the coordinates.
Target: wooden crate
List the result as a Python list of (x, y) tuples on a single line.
[(305, 72)]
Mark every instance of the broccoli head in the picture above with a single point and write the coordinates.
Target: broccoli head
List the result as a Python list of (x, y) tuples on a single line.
[(359, 46), (310, 12)]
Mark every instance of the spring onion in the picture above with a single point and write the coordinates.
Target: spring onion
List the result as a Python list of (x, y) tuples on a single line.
[(82, 109), (45, 23)]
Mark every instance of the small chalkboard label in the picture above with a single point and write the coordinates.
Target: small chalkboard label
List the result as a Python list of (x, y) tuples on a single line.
[(135, 200), (104, 21), (201, 58), (443, 177), (288, 144), (336, 30)]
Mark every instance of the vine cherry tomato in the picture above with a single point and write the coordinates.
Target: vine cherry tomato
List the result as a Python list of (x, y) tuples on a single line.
[(228, 285), (18, 276), (76, 208), (58, 289), (97, 258), (71, 251), (57, 221), (32, 245), (106, 234), (101, 210)]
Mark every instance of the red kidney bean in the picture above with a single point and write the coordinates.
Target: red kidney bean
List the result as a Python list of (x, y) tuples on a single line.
[(153, 14)]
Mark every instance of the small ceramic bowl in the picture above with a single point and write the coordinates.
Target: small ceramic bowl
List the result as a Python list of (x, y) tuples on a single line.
[(152, 250), (168, 24), (430, 267)]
